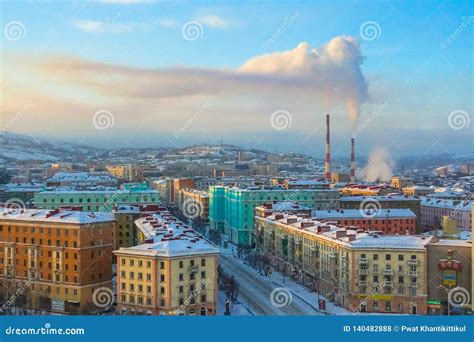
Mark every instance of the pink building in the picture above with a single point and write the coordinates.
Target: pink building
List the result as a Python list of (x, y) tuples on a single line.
[(433, 210)]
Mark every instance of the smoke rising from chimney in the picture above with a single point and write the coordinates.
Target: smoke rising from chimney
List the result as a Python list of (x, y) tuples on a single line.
[(333, 70), (379, 167)]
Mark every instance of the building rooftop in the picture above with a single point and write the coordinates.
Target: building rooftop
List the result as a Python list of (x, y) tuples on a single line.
[(357, 214), (283, 206), (167, 236), (57, 215), (352, 238), (446, 203), (378, 198), (81, 177)]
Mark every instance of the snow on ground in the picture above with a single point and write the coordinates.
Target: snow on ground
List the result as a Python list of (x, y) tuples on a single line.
[(237, 308), (297, 289)]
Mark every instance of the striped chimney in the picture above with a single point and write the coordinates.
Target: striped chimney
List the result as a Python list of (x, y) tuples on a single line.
[(327, 164), (353, 163)]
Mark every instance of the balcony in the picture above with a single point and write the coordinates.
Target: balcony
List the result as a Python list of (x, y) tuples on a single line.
[(388, 272), (363, 271), (363, 261), (413, 284), (413, 273), (388, 283), (413, 262), (363, 283), (193, 268)]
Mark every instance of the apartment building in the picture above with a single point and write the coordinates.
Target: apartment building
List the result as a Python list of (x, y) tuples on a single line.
[(382, 202), (385, 221), (58, 258), (95, 200), (433, 211), (232, 209), (194, 204), (173, 273), (125, 216), (361, 271)]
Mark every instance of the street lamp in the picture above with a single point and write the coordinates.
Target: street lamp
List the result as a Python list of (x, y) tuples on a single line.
[(447, 294)]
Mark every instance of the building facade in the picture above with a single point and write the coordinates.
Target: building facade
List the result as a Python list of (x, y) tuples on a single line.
[(97, 200), (173, 273), (59, 258), (434, 210), (359, 271), (232, 210), (385, 221)]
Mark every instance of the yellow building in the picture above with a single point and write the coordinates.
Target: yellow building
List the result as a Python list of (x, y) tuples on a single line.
[(418, 190), (357, 270), (400, 182), (173, 273), (194, 204)]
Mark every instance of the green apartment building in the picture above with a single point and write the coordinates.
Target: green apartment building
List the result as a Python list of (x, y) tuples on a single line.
[(232, 210), (102, 200)]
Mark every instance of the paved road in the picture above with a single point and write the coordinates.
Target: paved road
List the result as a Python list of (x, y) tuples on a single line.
[(256, 292)]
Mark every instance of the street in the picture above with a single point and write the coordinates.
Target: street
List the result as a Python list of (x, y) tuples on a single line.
[(256, 292)]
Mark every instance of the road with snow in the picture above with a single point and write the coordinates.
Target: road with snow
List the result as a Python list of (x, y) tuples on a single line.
[(255, 291)]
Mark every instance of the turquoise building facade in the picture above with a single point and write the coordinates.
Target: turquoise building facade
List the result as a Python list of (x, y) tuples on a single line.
[(232, 210)]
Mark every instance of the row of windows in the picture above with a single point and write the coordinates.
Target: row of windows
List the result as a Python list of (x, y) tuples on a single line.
[(131, 263), (401, 257), (49, 231)]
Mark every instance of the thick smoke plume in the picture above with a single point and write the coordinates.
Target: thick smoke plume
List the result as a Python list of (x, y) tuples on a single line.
[(333, 70), (379, 167)]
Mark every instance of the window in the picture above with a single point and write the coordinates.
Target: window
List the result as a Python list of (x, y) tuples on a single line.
[(203, 262), (376, 257), (388, 306), (181, 264), (388, 257), (400, 257), (162, 277), (162, 265), (181, 277), (162, 290), (191, 262)]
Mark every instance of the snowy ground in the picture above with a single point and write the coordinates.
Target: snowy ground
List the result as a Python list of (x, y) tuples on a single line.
[(255, 291)]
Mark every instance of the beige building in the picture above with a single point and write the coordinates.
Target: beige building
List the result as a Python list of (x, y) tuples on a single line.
[(173, 273), (194, 204), (359, 271), (418, 190)]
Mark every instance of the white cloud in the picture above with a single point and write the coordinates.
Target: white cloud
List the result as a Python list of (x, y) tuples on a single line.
[(213, 21), (94, 26), (168, 23)]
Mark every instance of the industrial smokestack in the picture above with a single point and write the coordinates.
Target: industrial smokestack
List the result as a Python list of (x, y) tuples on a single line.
[(327, 164), (353, 164)]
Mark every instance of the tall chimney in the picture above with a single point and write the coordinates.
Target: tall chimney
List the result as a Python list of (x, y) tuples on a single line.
[(327, 164), (353, 163)]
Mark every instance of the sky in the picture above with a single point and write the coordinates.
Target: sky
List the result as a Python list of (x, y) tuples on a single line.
[(395, 75)]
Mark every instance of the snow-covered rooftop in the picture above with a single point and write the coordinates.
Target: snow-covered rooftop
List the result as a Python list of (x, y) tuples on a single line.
[(167, 236), (352, 238), (447, 203), (59, 216), (357, 214), (378, 198)]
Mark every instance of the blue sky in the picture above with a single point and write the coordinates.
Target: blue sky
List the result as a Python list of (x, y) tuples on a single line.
[(410, 65)]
